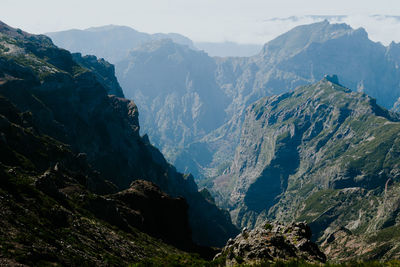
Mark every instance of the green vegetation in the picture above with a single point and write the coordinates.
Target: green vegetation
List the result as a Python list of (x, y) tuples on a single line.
[(268, 226), (318, 203), (387, 234), (84, 238)]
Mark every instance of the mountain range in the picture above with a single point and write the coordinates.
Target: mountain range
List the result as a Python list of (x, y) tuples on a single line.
[(111, 42), (271, 137), (199, 136)]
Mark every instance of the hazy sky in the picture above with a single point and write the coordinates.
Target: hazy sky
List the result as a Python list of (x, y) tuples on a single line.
[(245, 21)]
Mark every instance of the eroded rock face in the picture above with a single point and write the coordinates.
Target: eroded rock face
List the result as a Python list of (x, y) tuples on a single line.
[(272, 242)]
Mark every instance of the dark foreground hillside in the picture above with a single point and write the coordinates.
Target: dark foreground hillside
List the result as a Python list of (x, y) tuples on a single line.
[(55, 103)]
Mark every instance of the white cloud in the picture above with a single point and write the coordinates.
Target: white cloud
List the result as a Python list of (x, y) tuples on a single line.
[(244, 21), (382, 29)]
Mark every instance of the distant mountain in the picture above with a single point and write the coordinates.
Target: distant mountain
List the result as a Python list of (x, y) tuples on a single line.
[(306, 53), (190, 85), (300, 56), (111, 42), (69, 101), (229, 49), (310, 51), (322, 154)]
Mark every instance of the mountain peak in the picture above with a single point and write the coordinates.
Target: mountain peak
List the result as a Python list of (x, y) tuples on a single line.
[(99, 40), (300, 37), (109, 27)]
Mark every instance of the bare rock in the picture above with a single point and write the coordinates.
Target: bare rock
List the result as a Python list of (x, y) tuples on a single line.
[(272, 242)]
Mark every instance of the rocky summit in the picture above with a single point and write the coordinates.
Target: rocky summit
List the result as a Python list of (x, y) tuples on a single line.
[(270, 243)]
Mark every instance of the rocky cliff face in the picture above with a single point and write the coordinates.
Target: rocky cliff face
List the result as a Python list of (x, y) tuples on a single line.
[(70, 104), (323, 154)]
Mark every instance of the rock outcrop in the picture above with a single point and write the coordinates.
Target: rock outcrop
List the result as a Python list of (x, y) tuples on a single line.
[(271, 243)]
